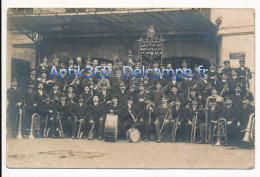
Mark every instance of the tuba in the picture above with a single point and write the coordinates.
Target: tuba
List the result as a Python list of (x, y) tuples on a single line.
[(35, 125), (250, 129), (221, 131)]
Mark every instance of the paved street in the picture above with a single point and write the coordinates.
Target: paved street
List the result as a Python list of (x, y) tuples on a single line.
[(67, 153)]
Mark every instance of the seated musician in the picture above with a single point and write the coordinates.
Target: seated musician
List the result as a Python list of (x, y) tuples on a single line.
[(192, 112), (148, 116), (219, 99), (71, 96), (178, 112), (223, 85), (213, 111), (131, 116), (104, 95), (46, 111), (157, 93), (139, 96), (96, 118), (229, 113), (55, 93), (115, 108), (164, 116), (64, 108), (244, 114), (80, 113)]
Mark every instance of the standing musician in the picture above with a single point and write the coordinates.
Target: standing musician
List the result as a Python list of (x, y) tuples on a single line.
[(39, 95), (87, 95), (175, 95), (237, 97), (46, 111), (43, 67), (29, 100), (97, 117), (71, 95), (162, 121), (157, 93), (32, 77), (122, 94), (148, 116), (229, 113), (219, 99), (233, 81), (63, 82), (223, 85), (204, 87), (227, 70), (80, 113), (15, 101), (131, 115), (212, 74), (139, 96), (244, 74), (55, 93), (104, 95)]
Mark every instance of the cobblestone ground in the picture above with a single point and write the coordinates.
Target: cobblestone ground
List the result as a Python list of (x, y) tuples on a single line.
[(67, 153)]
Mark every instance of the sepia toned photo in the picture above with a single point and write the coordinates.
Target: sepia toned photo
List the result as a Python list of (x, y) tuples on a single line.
[(130, 88)]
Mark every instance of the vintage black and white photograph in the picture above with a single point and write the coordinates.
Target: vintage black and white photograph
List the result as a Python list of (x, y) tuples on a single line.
[(130, 88)]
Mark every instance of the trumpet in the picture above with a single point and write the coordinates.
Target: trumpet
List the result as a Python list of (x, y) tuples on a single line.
[(99, 84), (19, 136), (221, 132), (250, 129), (35, 125), (193, 128)]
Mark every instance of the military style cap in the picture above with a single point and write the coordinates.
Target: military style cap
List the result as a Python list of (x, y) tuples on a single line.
[(226, 61), (130, 98), (81, 99), (122, 84), (242, 61), (141, 84), (115, 96), (212, 100), (63, 95), (147, 97)]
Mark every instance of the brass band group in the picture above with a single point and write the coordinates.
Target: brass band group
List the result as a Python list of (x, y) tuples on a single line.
[(217, 109)]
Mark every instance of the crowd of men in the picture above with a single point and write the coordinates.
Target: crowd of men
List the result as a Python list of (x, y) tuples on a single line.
[(153, 106)]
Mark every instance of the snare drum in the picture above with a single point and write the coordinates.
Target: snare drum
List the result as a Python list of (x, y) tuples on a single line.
[(111, 127), (133, 135)]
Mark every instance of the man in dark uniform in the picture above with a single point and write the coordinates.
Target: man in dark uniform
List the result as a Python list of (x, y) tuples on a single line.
[(212, 74), (227, 70), (15, 102), (244, 74), (32, 78), (223, 85), (123, 94), (233, 81), (237, 98), (87, 95), (178, 111), (97, 116), (29, 100), (212, 113), (46, 111), (162, 121), (191, 115), (131, 116), (43, 67), (148, 116), (229, 113), (55, 93), (204, 87), (104, 95), (115, 108), (245, 111), (157, 93), (80, 113), (175, 95), (64, 108), (39, 95), (139, 96)]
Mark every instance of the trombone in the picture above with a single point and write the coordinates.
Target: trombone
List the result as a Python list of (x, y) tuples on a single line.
[(175, 127), (19, 136), (60, 129), (80, 133), (193, 128)]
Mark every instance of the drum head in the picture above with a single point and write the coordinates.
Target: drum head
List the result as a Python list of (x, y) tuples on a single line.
[(133, 135)]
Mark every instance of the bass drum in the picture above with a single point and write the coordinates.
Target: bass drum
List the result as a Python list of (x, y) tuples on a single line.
[(111, 127), (133, 135)]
